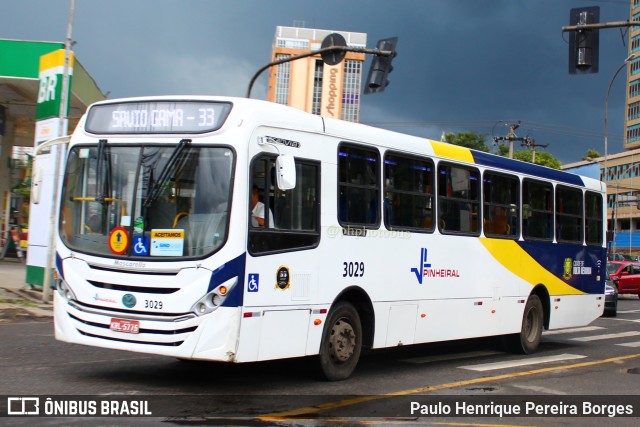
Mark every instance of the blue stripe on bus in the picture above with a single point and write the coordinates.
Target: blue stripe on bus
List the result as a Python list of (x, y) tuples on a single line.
[(59, 265), (491, 160), (581, 267), (229, 270)]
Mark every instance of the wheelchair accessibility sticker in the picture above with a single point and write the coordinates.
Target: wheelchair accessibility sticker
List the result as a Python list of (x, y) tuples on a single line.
[(253, 282), (141, 245)]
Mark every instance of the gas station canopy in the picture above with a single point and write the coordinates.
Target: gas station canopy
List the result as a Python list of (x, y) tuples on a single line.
[(19, 85)]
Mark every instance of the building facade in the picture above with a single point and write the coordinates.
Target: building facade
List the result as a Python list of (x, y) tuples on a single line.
[(632, 120), (311, 85)]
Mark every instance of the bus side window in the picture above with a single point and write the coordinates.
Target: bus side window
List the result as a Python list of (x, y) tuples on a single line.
[(593, 220), (568, 214), (501, 195), (538, 221), (458, 199), (408, 197), (358, 186), (292, 215)]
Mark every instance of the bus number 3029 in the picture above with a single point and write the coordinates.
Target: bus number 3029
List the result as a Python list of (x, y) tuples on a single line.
[(353, 269)]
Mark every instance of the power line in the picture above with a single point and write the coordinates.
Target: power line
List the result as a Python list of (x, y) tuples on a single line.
[(531, 126)]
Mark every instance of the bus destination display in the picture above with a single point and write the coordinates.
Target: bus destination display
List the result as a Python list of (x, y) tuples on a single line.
[(157, 117)]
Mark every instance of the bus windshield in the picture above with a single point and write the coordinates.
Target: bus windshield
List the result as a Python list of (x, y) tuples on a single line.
[(140, 201)]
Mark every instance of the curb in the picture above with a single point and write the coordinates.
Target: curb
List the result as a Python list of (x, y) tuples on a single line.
[(23, 304)]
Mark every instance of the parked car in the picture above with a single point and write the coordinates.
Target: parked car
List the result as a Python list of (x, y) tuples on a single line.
[(610, 298), (625, 276)]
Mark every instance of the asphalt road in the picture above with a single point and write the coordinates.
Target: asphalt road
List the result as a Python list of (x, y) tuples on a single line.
[(600, 360)]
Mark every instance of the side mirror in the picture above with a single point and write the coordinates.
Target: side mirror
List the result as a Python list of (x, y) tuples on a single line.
[(286, 172)]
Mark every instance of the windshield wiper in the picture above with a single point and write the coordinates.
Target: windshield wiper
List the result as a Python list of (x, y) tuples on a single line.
[(100, 181), (154, 192)]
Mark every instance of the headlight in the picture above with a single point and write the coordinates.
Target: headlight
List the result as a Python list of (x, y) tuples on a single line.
[(64, 290), (215, 298)]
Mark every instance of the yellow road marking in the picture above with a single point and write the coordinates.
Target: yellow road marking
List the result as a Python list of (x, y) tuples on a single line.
[(294, 413)]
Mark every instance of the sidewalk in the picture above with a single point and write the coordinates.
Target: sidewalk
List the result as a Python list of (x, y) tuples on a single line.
[(18, 301)]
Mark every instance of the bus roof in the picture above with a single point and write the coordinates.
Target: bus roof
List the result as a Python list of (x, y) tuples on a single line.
[(279, 115)]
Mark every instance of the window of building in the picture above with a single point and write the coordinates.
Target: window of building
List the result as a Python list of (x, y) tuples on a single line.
[(568, 214), (635, 66), (634, 88), (358, 186), (633, 111), (501, 196), (458, 199), (283, 76), (316, 102), (292, 43), (351, 90), (635, 43), (408, 192), (633, 133), (537, 210), (593, 219), (290, 219)]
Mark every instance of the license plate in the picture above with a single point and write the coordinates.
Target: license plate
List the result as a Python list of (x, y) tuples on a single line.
[(124, 325)]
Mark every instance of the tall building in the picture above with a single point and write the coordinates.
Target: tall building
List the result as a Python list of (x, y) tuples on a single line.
[(632, 120), (309, 84)]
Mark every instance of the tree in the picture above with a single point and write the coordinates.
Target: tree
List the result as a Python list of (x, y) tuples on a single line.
[(591, 154), (473, 140), (543, 158), (476, 141)]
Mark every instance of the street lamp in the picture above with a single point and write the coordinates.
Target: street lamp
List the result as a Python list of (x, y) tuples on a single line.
[(606, 128)]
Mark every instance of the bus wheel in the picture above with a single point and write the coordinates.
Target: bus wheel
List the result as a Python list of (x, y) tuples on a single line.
[(528, 340), (341, 342)]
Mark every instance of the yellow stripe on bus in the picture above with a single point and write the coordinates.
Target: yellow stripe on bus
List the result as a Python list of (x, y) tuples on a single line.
[(450, 151), (507, 251)]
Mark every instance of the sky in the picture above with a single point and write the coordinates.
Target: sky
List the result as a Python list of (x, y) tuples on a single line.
[(462, 65)]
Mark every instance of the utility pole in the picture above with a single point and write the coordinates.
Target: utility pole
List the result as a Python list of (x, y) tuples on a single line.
[(64, 102), (511, 137), (530, 143)]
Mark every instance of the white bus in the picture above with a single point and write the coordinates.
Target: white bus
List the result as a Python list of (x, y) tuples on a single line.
[(362, 238)]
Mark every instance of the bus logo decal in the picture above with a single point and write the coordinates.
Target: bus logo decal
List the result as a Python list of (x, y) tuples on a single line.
[(283, 278), (129, 300), (568, 270), (420, 272), (253, 282), (424, 269)]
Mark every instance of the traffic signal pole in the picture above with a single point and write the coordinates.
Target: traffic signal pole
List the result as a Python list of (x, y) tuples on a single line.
[(341, 50), (598, 26)]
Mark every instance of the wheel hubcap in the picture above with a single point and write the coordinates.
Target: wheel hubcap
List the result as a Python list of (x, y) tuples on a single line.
[(531, 324), (343, 341)]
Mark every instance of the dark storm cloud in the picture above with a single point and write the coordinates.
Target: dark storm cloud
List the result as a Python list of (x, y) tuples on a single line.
[(462, 64)]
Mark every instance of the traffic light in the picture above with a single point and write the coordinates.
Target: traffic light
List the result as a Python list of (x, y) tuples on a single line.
[(584, 44), (381, 67)]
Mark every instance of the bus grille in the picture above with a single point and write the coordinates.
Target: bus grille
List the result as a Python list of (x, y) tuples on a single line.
[(154, 330), (128, 288)]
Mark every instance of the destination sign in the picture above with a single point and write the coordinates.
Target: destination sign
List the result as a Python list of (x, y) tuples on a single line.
[(157, 117)]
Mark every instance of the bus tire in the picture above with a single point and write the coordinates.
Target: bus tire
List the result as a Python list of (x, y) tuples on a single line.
[(341, 342), (528, 340)]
